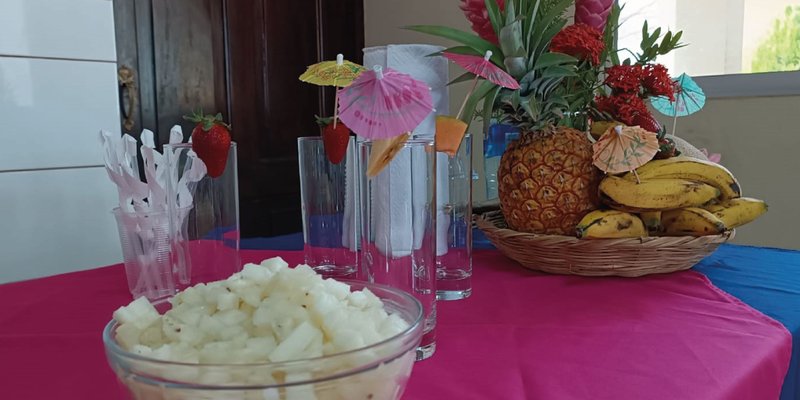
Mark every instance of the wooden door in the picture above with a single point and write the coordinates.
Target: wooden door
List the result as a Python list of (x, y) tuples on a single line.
[(241, 58)]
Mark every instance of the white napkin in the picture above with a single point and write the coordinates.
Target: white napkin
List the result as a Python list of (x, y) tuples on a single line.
[(396, 187)]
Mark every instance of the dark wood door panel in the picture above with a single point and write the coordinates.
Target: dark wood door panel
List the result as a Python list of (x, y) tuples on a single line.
[(189, 58), (241, 58)]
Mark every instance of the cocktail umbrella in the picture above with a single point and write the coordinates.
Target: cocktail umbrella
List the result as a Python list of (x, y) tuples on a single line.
[(339, 73), (689, 99), (624, 148), (450, 130), (382, 104)]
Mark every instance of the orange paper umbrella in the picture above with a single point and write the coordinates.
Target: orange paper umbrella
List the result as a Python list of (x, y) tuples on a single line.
[(624, 148)]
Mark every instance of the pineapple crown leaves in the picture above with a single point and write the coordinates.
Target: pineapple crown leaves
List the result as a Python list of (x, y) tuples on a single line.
[(525, 29), (207, 121)]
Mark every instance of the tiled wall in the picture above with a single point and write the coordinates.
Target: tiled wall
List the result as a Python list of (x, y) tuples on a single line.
[(57, 90)]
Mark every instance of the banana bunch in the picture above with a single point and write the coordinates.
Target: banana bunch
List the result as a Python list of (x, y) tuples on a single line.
[(678, 196)]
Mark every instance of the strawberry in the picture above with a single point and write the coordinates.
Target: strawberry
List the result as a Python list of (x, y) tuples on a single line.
[(335, 139), (666, 149), (211, 140), (647, 122)]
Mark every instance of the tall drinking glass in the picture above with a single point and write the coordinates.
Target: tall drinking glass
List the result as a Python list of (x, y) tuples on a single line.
[(454, 224), (204, 215), (399, 226), (330, 210)]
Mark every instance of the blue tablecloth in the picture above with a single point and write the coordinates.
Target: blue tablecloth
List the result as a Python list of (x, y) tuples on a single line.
[(766, 279)]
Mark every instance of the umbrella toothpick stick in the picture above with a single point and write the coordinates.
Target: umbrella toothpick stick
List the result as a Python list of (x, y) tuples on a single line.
[(339, 64), (636, 174), (675, 117), (464, 103), (486, 57)]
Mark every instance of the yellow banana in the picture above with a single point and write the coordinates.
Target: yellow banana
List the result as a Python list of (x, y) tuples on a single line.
[(606, 224), (691, 221), (652, 220), (654, 194), (598, 128), (737, 212), (383, 151), (691, 169)]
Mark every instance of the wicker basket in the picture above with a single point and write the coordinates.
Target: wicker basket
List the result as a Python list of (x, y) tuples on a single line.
[(598, 257)]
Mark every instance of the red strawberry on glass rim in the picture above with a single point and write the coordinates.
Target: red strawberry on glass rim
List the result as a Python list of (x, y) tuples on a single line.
[(211, 140), (334, 139)]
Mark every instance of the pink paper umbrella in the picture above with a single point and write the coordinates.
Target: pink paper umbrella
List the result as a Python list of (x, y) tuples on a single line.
[(483, 68), (383, 103)]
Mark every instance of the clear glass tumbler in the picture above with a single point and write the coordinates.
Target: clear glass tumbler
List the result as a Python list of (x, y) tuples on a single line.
[(144, 236), (398, 227), (454, 224), (204, 216), (328, 195)]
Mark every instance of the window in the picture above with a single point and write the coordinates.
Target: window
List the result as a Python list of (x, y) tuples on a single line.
[(736, 47)]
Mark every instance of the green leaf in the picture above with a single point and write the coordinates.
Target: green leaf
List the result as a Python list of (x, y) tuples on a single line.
[(556, 71), (515, 66), (531, 107), (468, 39), (515, 99), (483, 88), (549, 59), (676, 39), (511, 14), (511, 40), (467, 76), (488, 107), (530, 29), (543, 41), (495, 15), (457, 50)]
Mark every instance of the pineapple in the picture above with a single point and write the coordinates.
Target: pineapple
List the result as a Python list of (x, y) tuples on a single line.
[(547, 182)]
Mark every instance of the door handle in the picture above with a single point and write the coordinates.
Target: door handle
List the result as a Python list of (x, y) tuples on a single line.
[(128, 95)]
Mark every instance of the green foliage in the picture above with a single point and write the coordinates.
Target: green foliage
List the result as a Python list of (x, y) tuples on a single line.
[(652, 48), (780, 51)]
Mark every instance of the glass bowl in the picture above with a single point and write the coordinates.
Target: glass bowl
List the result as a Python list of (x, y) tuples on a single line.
[(376, 372)]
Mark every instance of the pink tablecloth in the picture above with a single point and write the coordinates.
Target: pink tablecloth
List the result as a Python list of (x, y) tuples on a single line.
[(522, 335)]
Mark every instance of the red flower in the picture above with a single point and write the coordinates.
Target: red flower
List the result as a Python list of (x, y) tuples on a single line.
[(656, 81), (476, 13), (624, 78), (579, 40), (623, 107)]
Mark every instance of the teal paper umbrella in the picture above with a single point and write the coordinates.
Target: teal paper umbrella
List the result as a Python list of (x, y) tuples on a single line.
[(689, 99)]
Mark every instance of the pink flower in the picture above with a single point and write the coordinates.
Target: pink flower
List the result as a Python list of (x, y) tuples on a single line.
[(593, 12), (476, 13)]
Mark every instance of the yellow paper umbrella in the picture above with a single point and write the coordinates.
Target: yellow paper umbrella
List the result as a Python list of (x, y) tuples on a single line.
[(339, 73), (624, 148)]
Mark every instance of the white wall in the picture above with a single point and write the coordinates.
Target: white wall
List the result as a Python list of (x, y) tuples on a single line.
[(759, 137), (57, 90)]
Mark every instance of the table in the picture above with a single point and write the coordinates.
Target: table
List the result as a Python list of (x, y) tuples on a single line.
[(516, 321), (766, 279)]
